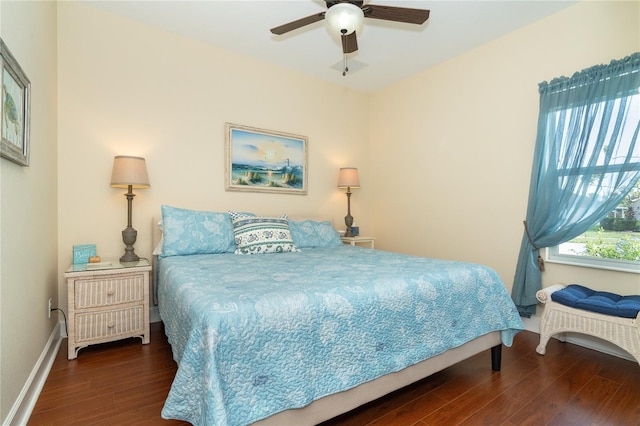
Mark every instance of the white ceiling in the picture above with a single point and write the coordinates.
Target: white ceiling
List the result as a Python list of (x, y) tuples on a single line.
[(388, 51)]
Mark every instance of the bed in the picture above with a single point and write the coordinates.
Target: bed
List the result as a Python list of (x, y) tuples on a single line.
[(305, 333)]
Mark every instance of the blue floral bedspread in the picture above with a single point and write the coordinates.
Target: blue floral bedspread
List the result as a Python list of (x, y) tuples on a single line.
[(257, 334)]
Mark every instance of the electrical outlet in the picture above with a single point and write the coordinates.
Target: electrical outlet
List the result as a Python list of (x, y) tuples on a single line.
[(49, 310)]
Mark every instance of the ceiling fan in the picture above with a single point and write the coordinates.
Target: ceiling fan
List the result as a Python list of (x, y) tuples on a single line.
[(346, 17)]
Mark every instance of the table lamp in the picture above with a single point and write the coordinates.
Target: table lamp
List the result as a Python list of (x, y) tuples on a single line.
[(348, 178), (129, 172)]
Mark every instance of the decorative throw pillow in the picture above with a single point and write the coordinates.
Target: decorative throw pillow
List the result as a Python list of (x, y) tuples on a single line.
[(314, 234), (257, 235), (187, 232), (235, 215)]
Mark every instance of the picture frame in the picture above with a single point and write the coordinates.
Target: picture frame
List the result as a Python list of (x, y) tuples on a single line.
[(259, 160), (14, 109)]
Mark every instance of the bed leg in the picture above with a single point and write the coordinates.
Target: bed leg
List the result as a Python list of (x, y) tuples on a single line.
[(496, 357)]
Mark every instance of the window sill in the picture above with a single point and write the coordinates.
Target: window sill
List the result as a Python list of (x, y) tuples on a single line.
[(593, 262)]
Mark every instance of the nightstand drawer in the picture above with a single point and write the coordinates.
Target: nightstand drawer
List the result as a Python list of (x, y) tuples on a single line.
[(93, 326), (107, 291)]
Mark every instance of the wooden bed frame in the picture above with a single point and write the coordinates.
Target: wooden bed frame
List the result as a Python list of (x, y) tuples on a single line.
[(333, 405)]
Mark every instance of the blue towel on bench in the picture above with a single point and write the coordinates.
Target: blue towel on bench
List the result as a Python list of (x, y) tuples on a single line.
[(580, 297)]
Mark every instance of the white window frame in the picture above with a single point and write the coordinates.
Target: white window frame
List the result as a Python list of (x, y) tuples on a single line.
[(553, 255)]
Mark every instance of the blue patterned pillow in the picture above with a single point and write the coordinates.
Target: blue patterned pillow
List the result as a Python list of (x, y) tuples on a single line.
[(314, 234), (187, 232), (257, 235)]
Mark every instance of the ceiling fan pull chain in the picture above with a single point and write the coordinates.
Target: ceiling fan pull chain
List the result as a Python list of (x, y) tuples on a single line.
[(343, 37), (345, 68)]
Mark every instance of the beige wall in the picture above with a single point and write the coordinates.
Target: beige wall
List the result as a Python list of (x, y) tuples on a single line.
[(125, 88), (28, 196), (454, 144)]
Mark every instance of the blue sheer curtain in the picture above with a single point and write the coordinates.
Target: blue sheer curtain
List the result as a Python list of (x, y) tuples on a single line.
[(586, 159)]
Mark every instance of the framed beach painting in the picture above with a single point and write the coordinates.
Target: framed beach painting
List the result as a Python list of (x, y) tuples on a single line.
[(259, 160), (14, 108)]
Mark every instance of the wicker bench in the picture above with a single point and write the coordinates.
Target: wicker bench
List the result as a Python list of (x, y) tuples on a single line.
[(558, 318)]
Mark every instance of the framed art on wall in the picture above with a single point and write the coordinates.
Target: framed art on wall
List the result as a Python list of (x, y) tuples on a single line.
[(259, 160), (15, 105)]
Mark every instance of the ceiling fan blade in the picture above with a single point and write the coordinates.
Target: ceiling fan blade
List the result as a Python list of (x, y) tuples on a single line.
[(294, 25), (397, 14), (349, 43)]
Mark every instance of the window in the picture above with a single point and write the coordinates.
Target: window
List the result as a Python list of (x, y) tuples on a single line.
[(614, 241)]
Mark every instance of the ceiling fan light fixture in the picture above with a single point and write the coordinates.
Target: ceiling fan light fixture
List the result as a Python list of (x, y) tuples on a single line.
[(345, 18)]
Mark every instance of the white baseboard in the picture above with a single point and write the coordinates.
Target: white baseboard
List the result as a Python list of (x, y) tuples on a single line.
[(532, 324), (154, 314), (23, 406), (596, 344)]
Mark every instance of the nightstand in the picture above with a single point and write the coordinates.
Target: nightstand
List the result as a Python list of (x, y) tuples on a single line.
[(107, 301), (354, 241)]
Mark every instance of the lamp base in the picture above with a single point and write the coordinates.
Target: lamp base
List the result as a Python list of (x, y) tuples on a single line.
[(348, 220), (129, 236)]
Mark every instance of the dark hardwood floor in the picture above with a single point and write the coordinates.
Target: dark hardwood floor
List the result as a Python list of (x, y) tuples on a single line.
[(125, 383)]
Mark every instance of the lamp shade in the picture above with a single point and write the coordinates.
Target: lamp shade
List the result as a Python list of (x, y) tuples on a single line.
[(344, 18), (348, 177), (129, 171)]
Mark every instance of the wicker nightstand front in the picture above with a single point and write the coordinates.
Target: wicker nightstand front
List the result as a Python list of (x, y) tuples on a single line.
[(107, 302)]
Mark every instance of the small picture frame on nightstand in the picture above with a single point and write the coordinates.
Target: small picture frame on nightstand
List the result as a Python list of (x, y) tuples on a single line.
[(82, 253)]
